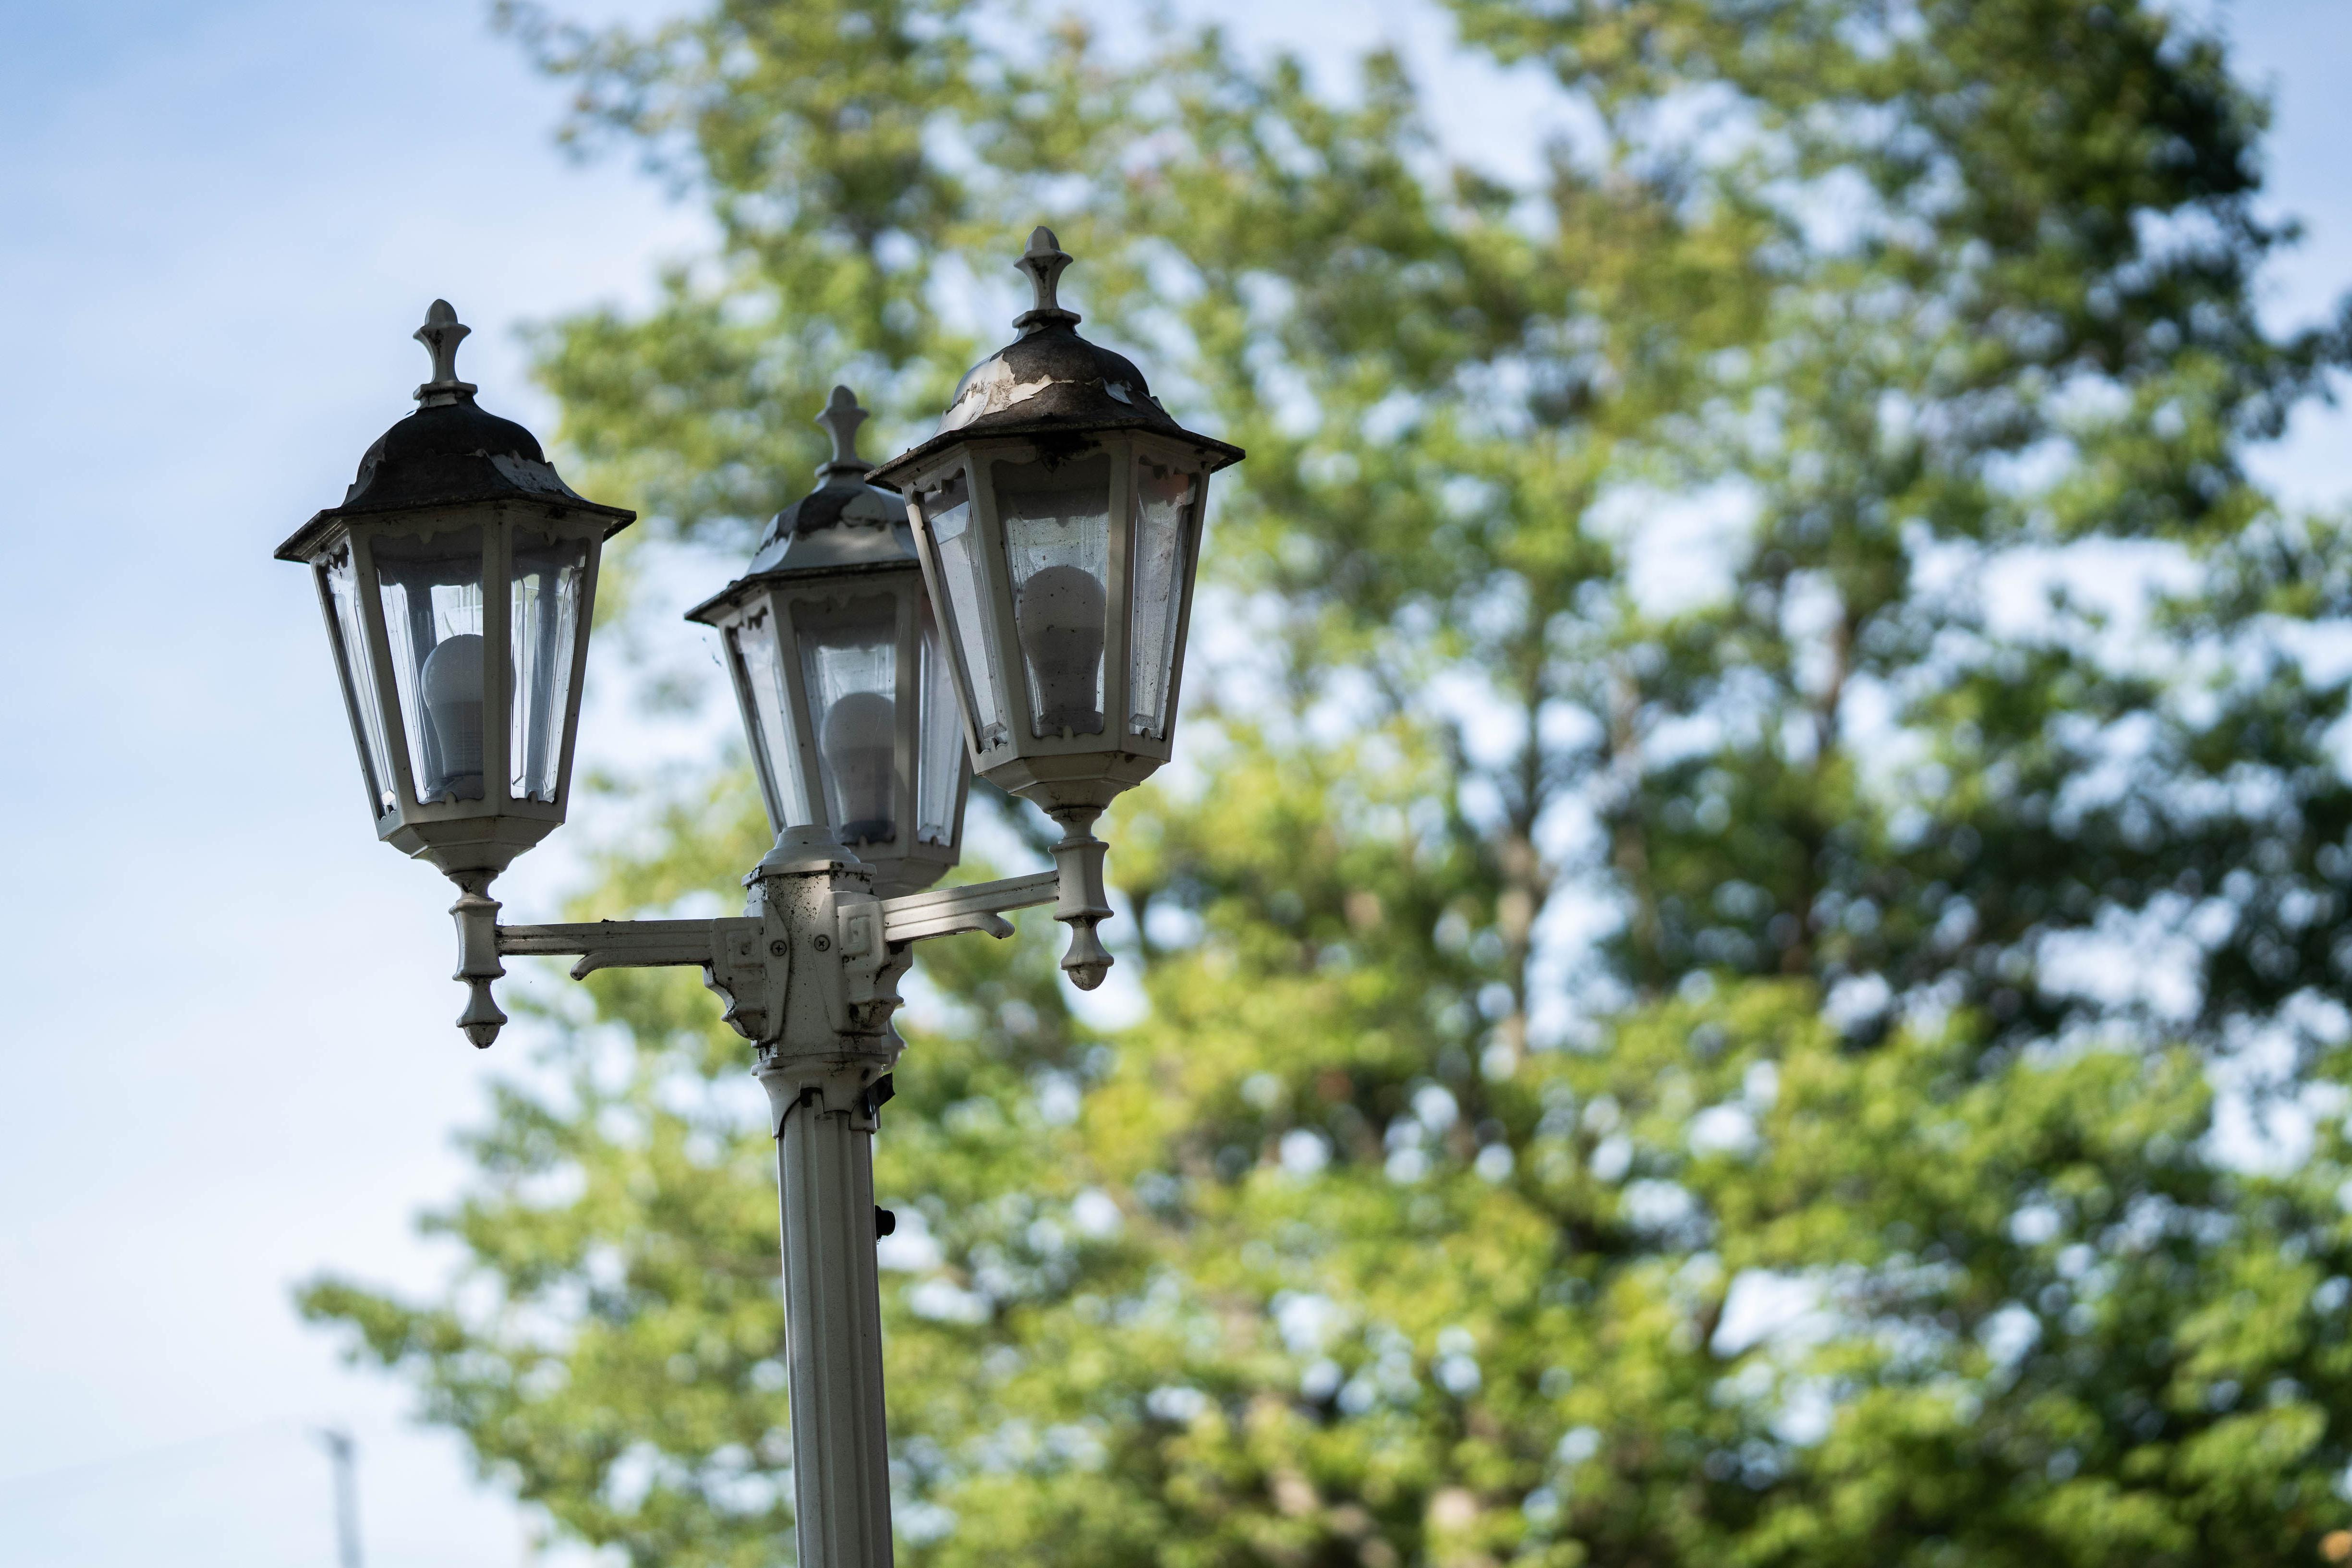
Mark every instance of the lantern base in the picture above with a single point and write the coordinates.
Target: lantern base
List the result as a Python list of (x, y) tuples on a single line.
[(806, 850), (910, 875), (458, 845), (1082, 781)]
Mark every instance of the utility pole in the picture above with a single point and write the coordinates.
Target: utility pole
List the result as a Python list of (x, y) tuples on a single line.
[(344, 1453)]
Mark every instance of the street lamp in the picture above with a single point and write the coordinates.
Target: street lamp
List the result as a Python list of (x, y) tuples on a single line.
[(1057, 512), (1057, 517), (835, 660), (458, 538)]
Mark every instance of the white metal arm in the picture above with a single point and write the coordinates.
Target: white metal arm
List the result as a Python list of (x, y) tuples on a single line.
[(622, 945), (943, 912)]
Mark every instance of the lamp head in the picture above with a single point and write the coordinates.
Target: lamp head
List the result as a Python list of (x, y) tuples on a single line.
[(1057, 511), (830, 642), (457, 579)]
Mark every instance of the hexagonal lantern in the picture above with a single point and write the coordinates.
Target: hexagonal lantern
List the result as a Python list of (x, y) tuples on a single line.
[(458, 538), (837, 665), (1057, 513)]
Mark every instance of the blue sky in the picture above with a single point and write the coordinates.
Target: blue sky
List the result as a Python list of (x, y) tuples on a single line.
[(229, 1056)]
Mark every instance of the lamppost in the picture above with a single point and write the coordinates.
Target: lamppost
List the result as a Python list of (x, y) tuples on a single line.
[(1035, 597)]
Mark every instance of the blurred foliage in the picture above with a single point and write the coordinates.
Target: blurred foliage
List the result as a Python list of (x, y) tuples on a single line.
[(1775, 781)]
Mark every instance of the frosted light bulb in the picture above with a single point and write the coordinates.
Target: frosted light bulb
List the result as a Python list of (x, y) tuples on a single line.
[(860, 745), (450, 686), (1061, 625)]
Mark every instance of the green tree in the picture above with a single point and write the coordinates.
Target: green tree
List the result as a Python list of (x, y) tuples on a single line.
[(1574, 930)]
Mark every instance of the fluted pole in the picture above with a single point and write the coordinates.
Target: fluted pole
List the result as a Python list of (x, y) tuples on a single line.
[(833, 1328)]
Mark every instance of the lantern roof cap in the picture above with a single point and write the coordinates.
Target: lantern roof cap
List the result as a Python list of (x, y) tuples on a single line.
[(450, 452), (845, 524), (1050, 382)]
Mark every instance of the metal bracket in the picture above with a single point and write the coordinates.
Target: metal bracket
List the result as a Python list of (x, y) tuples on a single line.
[(626, 944), (943, 912), (877, 936), (852, 948), (739, 959)]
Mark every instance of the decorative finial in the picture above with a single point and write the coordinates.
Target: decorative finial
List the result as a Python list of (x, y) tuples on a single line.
[(441, 334), (841, 418), (1043, 262)]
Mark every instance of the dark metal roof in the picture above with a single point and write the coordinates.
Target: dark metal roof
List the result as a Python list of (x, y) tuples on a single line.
[(1051, 381), (845, 524), (449, 452)]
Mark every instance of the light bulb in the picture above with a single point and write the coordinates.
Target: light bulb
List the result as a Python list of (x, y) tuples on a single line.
[(450, 686), (1061, 623), (860, 749)]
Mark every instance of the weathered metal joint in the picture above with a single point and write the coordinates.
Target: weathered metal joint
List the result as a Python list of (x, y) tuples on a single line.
[(805, 1084)]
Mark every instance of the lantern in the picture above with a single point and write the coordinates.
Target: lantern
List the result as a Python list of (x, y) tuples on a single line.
[(838, 666), (457, 579), (1057, 513)]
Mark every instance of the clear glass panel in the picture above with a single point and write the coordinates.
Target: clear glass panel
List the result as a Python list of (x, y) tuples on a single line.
[(432, 589), (948, 511), (545, 628), (1163, 508), (849, 670), (1057, 539), (753, 646), (359, 670), (940, 755)]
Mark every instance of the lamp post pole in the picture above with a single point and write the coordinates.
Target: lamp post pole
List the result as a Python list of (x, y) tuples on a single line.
[(1017, 606), (825, 1113)]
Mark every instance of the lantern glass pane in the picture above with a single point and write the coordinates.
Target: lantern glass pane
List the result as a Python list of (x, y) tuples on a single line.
[(1162, 547), (359, 670), (432, 589), (1057, 541), (753, 646), (545, 628), (947, 509), (939, 758), (849, 670)]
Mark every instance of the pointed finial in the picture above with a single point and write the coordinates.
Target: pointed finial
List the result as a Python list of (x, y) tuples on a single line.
[(841, 418), (1043, 262), (441, 334)]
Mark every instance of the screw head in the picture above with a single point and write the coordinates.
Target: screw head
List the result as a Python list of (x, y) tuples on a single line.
[(778, 948), (821, 941)]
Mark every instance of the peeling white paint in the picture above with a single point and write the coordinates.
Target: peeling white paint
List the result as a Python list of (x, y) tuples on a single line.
[(991, 390)]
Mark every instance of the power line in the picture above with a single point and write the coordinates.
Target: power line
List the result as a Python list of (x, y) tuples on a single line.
[(186, 1448)]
